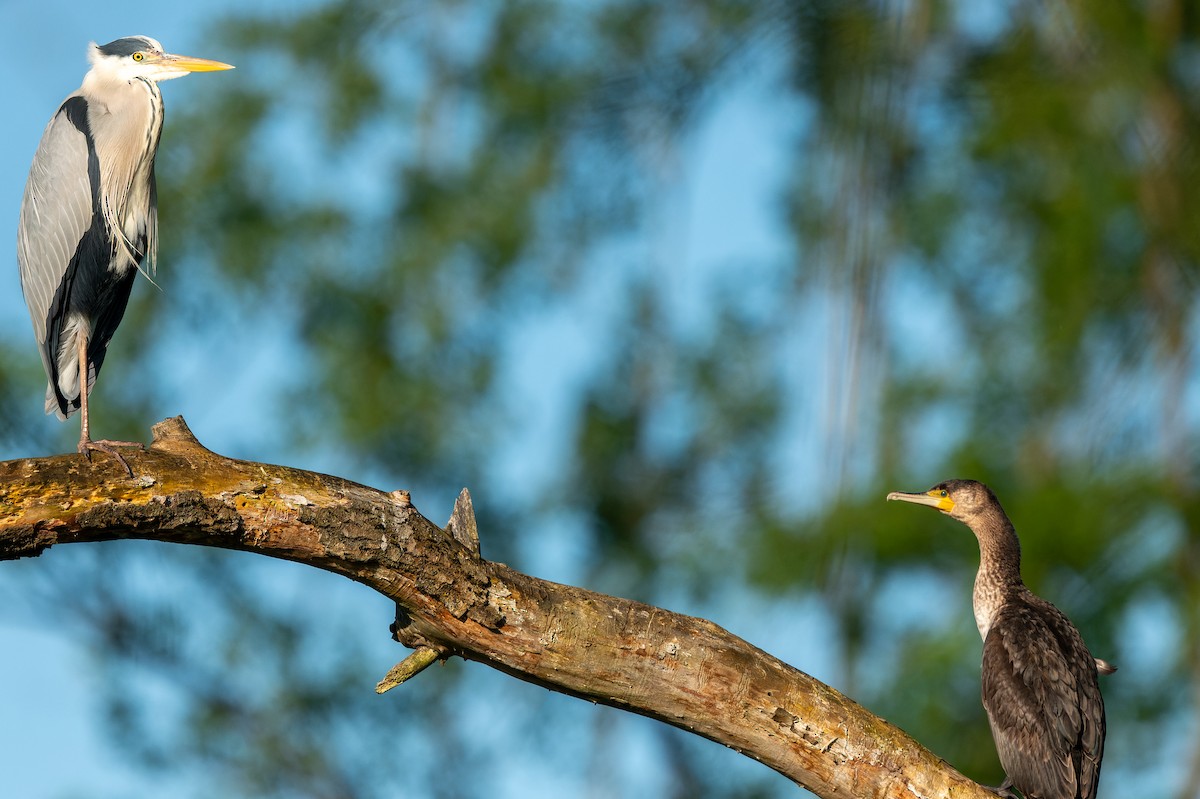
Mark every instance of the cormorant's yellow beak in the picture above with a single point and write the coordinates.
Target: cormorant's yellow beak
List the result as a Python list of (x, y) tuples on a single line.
[(935, 498)]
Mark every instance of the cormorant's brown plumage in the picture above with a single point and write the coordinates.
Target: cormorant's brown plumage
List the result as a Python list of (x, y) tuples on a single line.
[(1040, 683)]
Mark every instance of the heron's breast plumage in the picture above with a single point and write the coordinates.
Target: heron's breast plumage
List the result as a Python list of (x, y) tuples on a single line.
[(126, 131)]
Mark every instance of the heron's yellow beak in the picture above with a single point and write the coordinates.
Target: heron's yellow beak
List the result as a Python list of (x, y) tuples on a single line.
[(933, 498), (191, 64)]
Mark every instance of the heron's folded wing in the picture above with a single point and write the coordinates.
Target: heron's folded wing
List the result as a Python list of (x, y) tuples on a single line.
[(58, 208)]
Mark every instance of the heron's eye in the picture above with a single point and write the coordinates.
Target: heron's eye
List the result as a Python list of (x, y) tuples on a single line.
[(138, 56)]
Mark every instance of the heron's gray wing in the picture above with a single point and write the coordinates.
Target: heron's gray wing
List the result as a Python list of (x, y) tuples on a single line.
[(57, 210), (1043, 702)]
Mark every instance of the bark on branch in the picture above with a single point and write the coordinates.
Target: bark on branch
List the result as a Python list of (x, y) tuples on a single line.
[(678, 669)]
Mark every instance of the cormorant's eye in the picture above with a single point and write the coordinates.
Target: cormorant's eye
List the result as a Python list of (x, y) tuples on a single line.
[(945, 493), (138, 56)]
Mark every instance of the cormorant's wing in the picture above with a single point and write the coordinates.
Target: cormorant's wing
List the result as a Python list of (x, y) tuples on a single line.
[(1043, 702)]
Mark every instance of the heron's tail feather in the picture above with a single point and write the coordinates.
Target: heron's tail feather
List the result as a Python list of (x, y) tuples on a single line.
[(57, 408)]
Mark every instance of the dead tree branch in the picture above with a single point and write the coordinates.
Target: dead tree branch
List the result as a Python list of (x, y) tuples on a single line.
[(678, 669)]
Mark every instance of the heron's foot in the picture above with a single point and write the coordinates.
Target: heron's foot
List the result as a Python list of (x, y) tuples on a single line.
[(88, 446)]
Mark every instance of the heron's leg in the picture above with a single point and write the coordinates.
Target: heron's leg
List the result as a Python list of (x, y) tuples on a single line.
[(86, 444), (85, 435)]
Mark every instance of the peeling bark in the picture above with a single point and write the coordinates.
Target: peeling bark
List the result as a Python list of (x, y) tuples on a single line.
[(681, 670)]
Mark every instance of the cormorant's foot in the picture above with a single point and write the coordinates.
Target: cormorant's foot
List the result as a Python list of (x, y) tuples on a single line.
[(87, 447), (1006, 789)]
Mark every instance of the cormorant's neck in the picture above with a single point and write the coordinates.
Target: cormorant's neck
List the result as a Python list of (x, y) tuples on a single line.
[(999, 549), (999, 576)]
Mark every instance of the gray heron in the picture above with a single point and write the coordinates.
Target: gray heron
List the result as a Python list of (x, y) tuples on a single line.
[(89, 218), (1040, 683)]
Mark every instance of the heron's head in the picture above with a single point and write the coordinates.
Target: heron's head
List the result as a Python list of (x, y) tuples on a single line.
[(142, 57), (959, 499)]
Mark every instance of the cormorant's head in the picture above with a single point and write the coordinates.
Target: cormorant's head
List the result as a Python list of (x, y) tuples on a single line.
[(959, 499), (142, 57)]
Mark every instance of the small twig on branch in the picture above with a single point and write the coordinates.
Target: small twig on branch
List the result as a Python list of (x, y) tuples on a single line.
[(411, 666), (678, 669)]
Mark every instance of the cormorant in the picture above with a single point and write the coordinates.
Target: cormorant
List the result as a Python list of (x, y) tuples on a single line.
[(1040, 683)]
